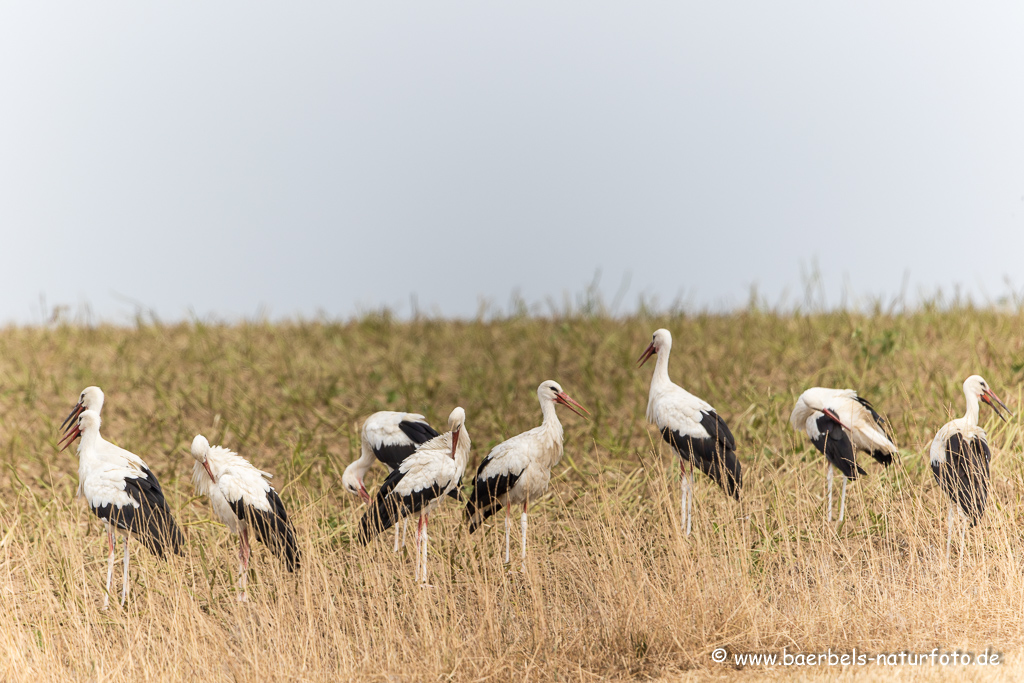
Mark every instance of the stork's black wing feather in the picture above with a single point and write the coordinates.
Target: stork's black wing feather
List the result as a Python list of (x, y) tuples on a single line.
[(836, 446), (388, 507), (151, 523), (419, 432), (714, 455), (271, 527), (965, 474), (484, 500)]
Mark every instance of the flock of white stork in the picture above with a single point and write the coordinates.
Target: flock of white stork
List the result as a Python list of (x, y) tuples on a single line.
[(426, 466)]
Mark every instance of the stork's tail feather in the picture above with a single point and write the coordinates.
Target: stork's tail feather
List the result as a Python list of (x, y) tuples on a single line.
[(382, 515), (883, 457)]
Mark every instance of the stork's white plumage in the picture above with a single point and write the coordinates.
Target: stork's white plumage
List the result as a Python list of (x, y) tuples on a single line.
[(243, 499), (518, 470), (960, 458), (838, 423), (692, 427), (418, 485), (390, 437), (125, 495), (92, 398)]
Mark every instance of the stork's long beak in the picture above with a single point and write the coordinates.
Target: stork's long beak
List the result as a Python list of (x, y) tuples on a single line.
[(566, 400), (74, 431), (648, 352), (206, 466), (990, 396), (363, 494), (76, 410), (455, 441), (832, 415)]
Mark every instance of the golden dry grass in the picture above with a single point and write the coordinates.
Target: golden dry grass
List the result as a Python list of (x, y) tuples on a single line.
[(612, 589)]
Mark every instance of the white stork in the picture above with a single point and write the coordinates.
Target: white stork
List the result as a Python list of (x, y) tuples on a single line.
[(838, 422), (960, 457), (389, 437), (121, 493), (692, 427), (518, 470), (242, 498), (418, 484)]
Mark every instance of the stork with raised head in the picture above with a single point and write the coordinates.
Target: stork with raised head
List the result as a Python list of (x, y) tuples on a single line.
[(838, 423), (124, 495), (418, 485), (91, 398), (243, 499), (389, 437), (692, 427), (960, 458), (518, 470)]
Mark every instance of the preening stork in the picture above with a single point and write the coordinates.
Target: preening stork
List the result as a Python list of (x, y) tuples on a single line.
[(692, 427), (125, 495), (839, 422), (960, 458), (418, 485), (389, 437), (243, 499), (518, 470)]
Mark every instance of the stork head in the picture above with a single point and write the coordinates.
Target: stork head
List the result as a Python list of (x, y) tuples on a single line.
[(201, 452), (88, 421), (351, 482), (91, 398), (812, 401), (661, 341), (551, 391), (976, 386), (456, 421)]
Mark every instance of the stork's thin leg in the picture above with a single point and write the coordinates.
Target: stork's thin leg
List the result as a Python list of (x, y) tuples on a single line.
[(828, 470), (423, 572), (405, 529), (842, 501), (124, 589), (243, 562), (686, 504), (396, 536), (508, 525), (523, 555), (111, 543), (689, 502), (949, 536), (419, 540)]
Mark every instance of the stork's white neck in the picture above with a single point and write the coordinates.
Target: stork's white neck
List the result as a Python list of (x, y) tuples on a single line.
[(360, 467), (973, 408), (660, 378)]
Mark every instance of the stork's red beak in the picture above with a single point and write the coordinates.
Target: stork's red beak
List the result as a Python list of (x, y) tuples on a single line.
[(74, 431), (455, 441), (566, 400), (363, 494), (76, 410), (832, 415), (990, 396), (648, 352), (206, 466)]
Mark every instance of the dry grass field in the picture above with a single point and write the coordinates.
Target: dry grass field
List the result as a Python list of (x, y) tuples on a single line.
[(611, 588)]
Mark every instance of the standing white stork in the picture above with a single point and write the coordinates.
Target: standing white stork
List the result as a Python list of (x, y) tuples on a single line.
[(960, 457), (242, 498), (692, 427), (838, 422), (418, 484), (125, 496), (390, 437), (518, 470)]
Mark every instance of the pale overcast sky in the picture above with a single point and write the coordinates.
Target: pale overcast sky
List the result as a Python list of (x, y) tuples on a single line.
[(231, 158)]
